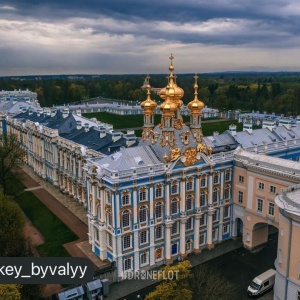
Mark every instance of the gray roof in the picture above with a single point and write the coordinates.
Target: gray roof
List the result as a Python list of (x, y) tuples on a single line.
[(94, 285), (127, 158), (71, 294)]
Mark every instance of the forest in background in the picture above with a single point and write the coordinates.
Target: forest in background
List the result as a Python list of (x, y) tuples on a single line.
[(270, 92)]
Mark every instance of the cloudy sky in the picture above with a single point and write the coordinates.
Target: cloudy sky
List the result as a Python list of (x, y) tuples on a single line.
[(137, 36)]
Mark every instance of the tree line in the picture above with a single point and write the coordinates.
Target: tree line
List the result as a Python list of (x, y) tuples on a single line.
[(271, 92)]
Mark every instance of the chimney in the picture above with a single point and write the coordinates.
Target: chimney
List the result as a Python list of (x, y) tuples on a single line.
[(65, 112), (86, 127), (116, 136), (53, 112), (270, 124), (102, 131), (216, 133), (39, 111), (78, 125), (285, 122), (30, 111), (78, 112), (232, 129), (247, 127)]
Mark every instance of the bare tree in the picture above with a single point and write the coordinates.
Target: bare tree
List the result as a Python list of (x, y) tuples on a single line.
[(208, 284), (10, 158)]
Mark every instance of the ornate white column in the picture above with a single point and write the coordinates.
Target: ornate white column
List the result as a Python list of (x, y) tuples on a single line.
[(135, 208), (183, 221), (117, 209), (151, 196), (168, 256), (167, 200), (210, 212), (222, 185), (196, 232), (197, 192), (182, 195)]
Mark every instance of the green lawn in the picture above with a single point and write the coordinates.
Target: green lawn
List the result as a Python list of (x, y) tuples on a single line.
[(55, 232), (129, 121)]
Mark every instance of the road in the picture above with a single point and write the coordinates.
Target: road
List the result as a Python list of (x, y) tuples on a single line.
[(239, 267)]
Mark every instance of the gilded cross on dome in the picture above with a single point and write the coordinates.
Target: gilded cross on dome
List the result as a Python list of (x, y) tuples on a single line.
[(171, 58)]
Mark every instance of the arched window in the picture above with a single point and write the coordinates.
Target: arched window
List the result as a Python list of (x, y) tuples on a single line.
[(215, 195), (143, 214), (189, 202), (126, 218), (174, 207), (216, 178), (158, 210)]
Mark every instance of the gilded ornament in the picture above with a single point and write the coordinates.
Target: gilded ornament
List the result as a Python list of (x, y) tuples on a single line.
[(175, 153), (190, 154)]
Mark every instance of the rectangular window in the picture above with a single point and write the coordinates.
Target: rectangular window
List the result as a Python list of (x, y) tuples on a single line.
[(271, 209), (227, 176), (158, 232), (261, 186), (142, 195), (126, 241), (174, 228), (202, 199), (189, 224), (189, 186), (226, 212), (144, 258), (216, 179), (202, 239), (215, 234), (215, 215), (174, 189), (109, 238), (225, 229), (158, 192), (259, 205), (127, 264), (272, 189), (241, 179), (202, 220), (241, 197), (96, 234), (158, 210), (203, 182), (125, 199), (143, 237)]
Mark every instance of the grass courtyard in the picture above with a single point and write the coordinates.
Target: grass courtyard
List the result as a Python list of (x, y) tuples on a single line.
[(55, 232), (132, 121)]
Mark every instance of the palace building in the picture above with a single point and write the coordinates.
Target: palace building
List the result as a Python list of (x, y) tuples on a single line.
[(174, 191)]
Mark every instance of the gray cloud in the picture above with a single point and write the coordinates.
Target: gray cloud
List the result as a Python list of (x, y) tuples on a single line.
[(128, 36)]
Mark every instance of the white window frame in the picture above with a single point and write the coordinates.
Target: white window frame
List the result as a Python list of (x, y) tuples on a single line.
[(189, 199), (203, 217), (215, 234), (272, 189), (127, 198), (215, 216), (173, 212), (226, 229), (204, 239), (201, 182), (271, 207), (157, 205), (228, 211), (203, 194), (240, 196), (142, 195), (260, 205), (174, 225), (143, 214), (261, 186), (241, 178), (190, 220), (174, 188), (144, 256), (216, 179), (228, 176), (126, 260), (126, 226), (161, 232), (189, 185), (126, 236), (143, 237), (158, 192)]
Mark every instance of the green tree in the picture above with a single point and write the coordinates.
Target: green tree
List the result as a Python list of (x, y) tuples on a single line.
[(11, 229), (175, 289), (10, 158), (10, 292)]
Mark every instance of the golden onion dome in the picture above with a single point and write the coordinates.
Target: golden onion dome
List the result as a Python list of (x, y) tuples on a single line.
[(148, 104), (167, 105), (175, 92), (196, 104)]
